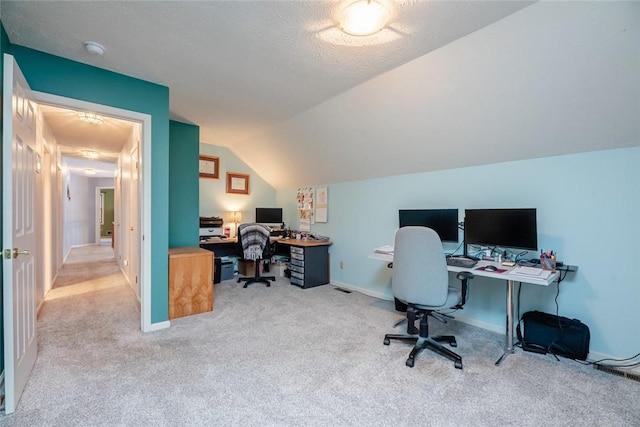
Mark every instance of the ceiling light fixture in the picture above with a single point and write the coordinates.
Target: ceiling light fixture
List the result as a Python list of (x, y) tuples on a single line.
[(364, 17), (89, 171), (93, 48), (92, 118), (89, 154)]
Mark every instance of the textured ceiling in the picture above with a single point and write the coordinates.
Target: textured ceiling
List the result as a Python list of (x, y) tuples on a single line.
[(236, 68)]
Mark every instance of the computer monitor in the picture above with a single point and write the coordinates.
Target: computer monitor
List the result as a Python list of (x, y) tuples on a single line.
[(269, 216), (442, 221), (505, 228)]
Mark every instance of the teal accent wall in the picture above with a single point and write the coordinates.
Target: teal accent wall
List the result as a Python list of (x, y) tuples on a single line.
[(184, 146), (59, 76), (4, 48)]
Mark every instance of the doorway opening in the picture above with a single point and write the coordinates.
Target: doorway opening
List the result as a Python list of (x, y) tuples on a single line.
[(77, 153)]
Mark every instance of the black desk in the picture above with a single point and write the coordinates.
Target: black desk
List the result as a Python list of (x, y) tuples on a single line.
[(309, 263), (220, 247)]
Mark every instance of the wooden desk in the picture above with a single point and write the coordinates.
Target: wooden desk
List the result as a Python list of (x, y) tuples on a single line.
[(309, 263), (190, 281)]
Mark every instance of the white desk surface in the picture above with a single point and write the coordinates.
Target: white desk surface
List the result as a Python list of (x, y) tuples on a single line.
[(505, 275)]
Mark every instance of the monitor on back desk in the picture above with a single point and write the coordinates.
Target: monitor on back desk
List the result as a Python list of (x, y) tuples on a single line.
[(505, 228), (442, 221)]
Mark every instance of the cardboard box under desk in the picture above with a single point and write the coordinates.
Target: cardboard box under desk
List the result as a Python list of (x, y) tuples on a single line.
[(246, 267)]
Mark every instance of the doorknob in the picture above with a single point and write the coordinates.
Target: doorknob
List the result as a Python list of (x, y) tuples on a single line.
[(131, 228), (16, 252)]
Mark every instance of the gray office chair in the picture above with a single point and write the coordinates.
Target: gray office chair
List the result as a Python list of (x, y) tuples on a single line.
[(254, 244), (420, 280)]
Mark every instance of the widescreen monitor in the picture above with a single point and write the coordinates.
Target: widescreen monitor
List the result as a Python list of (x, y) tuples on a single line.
[(442, 221), (504, 228), (269, 216)]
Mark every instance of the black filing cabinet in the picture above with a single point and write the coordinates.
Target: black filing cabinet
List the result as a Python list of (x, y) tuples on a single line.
[(309, 266), (223, 270)]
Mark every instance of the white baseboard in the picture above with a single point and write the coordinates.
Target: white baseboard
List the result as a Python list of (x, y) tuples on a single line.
[(364, 291), (481, 324), (593, 355), (40, 306), (157, 326), (83, 245), (380, 295)]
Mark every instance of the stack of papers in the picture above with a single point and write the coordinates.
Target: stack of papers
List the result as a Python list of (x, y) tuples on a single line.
[(531, 272), (385, 250)]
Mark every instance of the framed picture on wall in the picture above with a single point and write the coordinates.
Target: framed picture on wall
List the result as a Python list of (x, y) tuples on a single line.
[(237, 183), (209, 167)]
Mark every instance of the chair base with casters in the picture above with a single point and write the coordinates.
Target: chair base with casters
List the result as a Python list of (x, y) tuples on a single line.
[(257, 278), (463, 276), (422, 340)]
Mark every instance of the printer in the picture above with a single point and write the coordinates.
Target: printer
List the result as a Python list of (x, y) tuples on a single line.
[(210, 227)]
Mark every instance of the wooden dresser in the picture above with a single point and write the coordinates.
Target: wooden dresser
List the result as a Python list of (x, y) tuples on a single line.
[(190, 281)]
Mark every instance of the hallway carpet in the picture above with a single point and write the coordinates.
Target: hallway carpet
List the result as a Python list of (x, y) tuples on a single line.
[(88, 263)]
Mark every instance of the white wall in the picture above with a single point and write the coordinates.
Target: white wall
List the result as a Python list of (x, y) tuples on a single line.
[(80, 215), (123, 212), (47, 213)]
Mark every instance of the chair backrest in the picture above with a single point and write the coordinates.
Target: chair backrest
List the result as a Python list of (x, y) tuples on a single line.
[(420, 273), (253, 239)]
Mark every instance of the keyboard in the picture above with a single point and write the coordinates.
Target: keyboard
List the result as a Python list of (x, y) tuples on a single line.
[(532, 272), (461, 262)]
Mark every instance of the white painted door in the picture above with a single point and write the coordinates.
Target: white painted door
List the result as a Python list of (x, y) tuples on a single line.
[(18, 232)]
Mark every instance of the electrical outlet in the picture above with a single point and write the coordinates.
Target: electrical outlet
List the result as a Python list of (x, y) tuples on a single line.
[(341, 265)]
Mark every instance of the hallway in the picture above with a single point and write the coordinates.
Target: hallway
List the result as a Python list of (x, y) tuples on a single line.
[(89, 264), (82, 327)]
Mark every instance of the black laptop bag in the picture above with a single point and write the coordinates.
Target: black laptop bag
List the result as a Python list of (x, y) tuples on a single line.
[(547, 333)]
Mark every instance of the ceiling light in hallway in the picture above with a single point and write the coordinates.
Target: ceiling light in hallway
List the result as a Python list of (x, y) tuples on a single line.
[(92, 118), (90, 154)]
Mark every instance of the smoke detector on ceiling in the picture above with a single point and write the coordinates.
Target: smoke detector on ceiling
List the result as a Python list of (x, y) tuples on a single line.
[(94, 48)]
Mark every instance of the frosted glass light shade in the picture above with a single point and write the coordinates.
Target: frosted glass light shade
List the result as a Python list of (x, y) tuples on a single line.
[(364, 17), (92, 118)]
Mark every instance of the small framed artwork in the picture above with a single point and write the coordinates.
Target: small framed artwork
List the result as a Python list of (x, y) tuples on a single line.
[(237, 183), (209, 167)]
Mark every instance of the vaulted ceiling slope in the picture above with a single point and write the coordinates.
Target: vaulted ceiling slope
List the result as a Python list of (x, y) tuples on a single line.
[(448, 83)]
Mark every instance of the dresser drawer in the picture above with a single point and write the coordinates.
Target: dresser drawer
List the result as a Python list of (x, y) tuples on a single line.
[(296, 250), (296, 262), (295, 274), (296, 268)]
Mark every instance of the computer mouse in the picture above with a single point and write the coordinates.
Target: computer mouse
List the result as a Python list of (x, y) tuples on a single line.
[(491, 267)]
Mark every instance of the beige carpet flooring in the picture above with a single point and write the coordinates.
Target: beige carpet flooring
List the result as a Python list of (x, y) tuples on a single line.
[(95, 263), (284, 356)]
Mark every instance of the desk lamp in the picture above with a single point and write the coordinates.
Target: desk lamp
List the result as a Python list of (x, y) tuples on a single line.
[(237, 219)]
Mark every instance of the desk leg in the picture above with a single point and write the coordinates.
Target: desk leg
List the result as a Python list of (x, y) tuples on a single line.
[(508, 348)]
